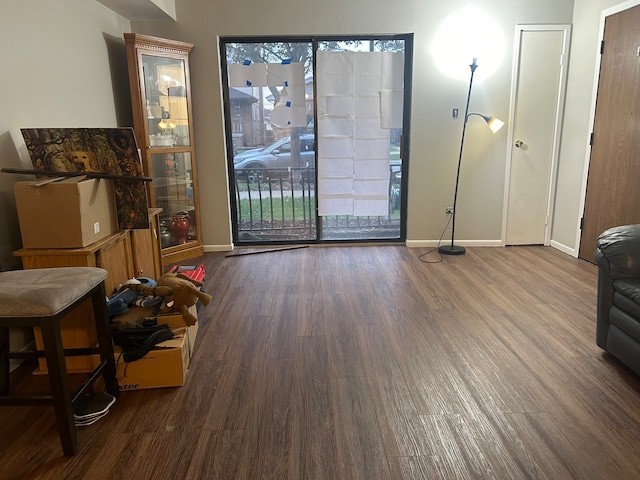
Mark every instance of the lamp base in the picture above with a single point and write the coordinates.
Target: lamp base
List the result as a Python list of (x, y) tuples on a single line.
[(451, 250)]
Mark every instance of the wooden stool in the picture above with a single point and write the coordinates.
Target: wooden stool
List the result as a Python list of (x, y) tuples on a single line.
[(41, 298)]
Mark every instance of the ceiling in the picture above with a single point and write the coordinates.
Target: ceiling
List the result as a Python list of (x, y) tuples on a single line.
[(143, 10)]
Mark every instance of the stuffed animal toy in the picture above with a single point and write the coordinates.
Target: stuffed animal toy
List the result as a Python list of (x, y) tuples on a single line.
[(184, 292)]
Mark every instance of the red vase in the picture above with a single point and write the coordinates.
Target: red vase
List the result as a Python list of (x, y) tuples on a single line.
[(179, 227)]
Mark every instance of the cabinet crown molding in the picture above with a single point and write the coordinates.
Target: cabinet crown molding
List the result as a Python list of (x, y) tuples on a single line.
[(156, 43)]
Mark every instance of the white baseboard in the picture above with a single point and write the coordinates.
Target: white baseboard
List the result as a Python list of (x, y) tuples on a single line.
[(484, 243), (428, 244), (462, 243), (218, 248), (564, 249)]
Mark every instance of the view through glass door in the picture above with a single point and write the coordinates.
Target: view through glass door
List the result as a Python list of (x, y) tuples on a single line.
[(314, 134)]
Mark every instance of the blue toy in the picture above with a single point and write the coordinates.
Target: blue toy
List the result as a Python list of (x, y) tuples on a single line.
[(119, 302)]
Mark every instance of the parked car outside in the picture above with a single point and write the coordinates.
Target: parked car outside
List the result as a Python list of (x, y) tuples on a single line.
[(274, 160)]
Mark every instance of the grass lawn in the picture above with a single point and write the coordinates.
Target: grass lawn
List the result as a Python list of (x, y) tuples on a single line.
[(276, 209), (279, 210)]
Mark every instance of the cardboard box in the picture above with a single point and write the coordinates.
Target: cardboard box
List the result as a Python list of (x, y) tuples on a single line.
[(173, 319), (166, 365), (69, 213)]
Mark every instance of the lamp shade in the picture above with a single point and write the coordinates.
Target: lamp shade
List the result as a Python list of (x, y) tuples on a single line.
[(495, 124)]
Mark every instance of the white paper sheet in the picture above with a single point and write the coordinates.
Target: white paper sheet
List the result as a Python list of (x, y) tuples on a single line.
[(367, 106), (336, 126), (293, 93), (336, 186), (339, 83), (351, 133), (371, 187), (252, 75), (335, 147), (371, 168), (365, 63), (371, 148), (335, 61), (338, 167), (280, 75), (369, 127), (371, 207), (367, 84), (392, 71), (335, 205), (284, 116), (336, 106), (391, 108)]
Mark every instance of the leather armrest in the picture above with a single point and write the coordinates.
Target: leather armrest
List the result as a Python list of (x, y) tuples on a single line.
[(620, 246), (617, 256), (605, 299)]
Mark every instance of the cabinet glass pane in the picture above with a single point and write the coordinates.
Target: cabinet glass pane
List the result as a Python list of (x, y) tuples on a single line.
[(165, 92), (173, 190)]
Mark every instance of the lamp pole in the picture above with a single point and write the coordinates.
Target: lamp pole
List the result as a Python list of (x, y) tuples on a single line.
[(457, 249)]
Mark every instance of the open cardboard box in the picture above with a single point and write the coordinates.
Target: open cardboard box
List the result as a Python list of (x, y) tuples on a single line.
[(166, 365), (65, 213)]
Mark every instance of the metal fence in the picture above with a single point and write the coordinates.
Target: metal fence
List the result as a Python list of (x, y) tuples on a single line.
[(276, 204), (281, 205)]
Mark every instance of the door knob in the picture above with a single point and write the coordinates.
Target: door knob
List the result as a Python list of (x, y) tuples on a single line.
[(519, 143)]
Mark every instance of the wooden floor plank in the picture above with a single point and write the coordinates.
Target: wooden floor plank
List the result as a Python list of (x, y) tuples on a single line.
[(359, 440), (216, 455), (313, 442)]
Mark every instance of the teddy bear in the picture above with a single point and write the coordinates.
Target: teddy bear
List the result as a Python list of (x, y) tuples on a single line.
[(179, 291)]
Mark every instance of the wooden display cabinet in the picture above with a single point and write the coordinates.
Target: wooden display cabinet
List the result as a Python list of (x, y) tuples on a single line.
[(146, 249), (163, 125)]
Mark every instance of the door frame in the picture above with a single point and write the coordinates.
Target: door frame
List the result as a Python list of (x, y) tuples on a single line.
[(559, 114), (621, 7), (408, 39)]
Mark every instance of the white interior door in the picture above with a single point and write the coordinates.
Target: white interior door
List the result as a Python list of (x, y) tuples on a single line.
[(537, 99)]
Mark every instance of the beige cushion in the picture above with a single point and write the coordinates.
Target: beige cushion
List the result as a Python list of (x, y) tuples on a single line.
[(45, 292)]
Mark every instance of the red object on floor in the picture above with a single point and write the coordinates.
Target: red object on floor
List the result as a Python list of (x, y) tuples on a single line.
[(195, 272)]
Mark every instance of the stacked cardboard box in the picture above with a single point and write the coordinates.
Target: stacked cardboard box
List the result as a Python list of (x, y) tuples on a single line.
[(166, 365), (65, 213)]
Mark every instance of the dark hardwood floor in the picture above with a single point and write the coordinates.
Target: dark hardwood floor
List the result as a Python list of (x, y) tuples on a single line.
[(366, 363)]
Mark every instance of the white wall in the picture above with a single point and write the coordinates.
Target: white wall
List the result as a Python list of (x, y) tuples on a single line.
[(435, 136)]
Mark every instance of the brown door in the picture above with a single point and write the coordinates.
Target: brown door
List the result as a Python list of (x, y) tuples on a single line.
[(613, 183)]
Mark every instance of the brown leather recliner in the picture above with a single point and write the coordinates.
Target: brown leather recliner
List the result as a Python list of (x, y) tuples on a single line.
[(618, 321)]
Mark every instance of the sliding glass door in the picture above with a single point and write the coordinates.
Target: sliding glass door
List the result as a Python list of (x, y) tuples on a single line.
[(316, 135)]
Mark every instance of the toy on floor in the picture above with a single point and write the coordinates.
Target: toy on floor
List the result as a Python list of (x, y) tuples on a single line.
[(193, 271), (126, 295), (185, 292)]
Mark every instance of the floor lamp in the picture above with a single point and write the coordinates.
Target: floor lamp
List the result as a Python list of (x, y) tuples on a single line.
[(494, 124)]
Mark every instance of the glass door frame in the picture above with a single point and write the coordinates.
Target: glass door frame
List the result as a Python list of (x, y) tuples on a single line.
[(315, 40)]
